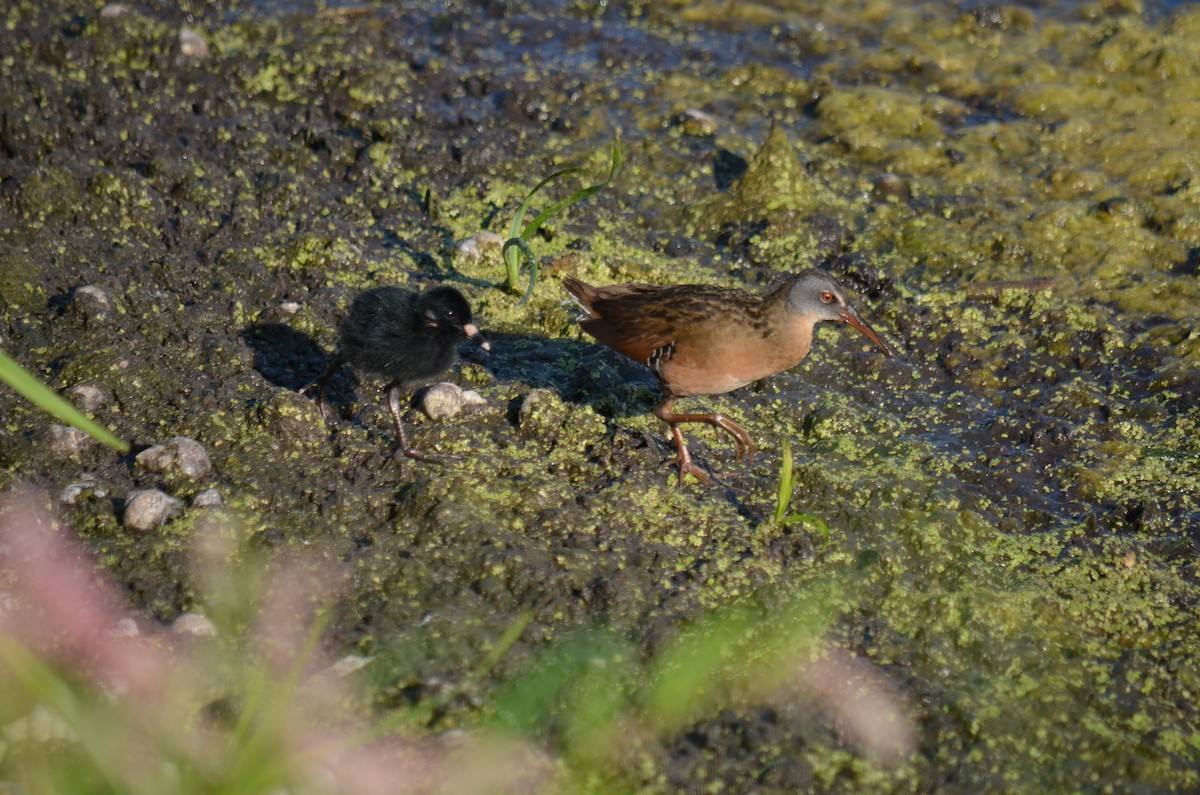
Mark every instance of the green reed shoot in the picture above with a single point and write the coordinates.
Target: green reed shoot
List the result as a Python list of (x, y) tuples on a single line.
[(787, 485), (517, 245)]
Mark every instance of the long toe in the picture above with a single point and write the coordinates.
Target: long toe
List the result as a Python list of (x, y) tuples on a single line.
[(746, 451), (441, 459), (744, 446), (321, 407), (690, 467)]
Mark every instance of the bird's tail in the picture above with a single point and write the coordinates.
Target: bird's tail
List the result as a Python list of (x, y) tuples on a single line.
[(582, 293)]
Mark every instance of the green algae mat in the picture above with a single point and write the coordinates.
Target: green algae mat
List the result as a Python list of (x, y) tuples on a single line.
[(988, 580)]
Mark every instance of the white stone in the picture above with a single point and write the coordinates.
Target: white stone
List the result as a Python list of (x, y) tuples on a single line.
[(478, 245), (150, 508), (125, 628), (88, 396), (349, 664), (696, 122), (74, 493), (209, 498), (91, 298), (181, 454), (192, 44), (442, 400), (66, 441), (40, 725), (195, 625)]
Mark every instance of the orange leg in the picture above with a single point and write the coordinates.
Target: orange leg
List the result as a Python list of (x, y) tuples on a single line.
[(745, 445)]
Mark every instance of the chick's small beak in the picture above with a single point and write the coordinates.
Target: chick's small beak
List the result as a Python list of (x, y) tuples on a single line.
[(472, 332), (851, 316)]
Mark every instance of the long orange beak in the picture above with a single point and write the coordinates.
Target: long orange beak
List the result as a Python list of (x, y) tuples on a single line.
[(851, 316)]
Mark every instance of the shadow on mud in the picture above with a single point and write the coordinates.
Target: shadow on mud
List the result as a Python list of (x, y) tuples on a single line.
[(292, 359), (580, 372)]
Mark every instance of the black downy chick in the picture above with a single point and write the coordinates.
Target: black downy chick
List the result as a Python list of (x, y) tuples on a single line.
[(407, 338)]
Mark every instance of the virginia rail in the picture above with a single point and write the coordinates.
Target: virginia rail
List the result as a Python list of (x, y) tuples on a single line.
[(404, 337), (704, 340)]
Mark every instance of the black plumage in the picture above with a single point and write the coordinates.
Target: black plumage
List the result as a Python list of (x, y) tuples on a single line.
[(404, 337)]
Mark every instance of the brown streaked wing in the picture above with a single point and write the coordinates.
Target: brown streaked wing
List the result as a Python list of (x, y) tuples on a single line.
[(638, 319)]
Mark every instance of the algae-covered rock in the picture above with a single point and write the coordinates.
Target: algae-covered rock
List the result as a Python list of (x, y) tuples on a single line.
[(766, 211), (775, 183), (290, 420), (544, 416), (20, 273), (875, 123)]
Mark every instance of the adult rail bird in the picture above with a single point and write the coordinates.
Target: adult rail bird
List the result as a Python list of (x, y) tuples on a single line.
[(706, 340)]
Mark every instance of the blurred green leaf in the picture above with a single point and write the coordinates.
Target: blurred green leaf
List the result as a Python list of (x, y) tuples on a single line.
[(688, 677), (530, 700), (33, 390)]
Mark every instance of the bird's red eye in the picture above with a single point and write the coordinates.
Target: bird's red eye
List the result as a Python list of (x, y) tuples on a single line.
[(827, 297)]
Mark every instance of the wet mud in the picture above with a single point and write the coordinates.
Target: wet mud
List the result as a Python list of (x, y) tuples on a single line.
[(1010, 192)]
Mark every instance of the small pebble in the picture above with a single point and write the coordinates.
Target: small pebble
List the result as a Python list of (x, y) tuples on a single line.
[(289, 307), (696, 122), (91, 300), (192, 44), (181, 454), (41, 725), (536, 402), (66, 441), (150, 508), (195, 625), (478, 245), (88, 396), (349, 664), (125, 628), (209, 498), (114, 10), (75, 493), (892, 186), (445, 399)]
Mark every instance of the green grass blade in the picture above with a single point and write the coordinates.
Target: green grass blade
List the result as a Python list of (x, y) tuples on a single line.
[(519, 230), (40, 681), (530, 701), (512, 257), (815, 523), (515, 230), (257, 763), (29, 387), (512, 252), (578, 195), (689, 676), (786, 483), (94, 728)]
